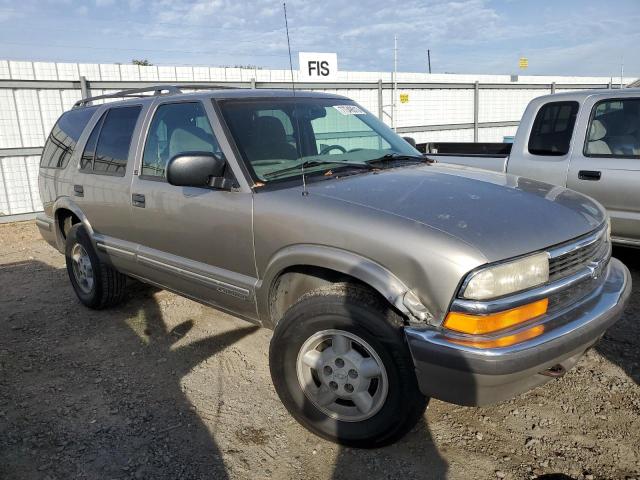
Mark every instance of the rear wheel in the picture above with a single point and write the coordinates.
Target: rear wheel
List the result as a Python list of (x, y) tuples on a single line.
[(96, 284), (341, 367)]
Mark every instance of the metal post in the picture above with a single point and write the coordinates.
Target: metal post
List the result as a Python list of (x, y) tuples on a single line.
[(553, 88), (476, 105), (429, 59), (395, 81), (84, 87), (380, 101)]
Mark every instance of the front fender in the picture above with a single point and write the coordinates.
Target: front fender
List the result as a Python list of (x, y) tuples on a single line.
[(349, 263)]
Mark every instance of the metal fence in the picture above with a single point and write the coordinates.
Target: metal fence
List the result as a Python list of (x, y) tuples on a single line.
[(429, 108)]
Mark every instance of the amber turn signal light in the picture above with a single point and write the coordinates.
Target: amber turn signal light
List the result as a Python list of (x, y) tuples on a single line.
[(503, 341), (481, 324)]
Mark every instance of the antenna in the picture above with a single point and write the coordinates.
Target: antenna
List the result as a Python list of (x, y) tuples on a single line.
[(305, 192), (286, 26)]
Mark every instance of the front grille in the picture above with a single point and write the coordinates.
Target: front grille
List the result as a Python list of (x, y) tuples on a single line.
[(576, 259), (575, 293)]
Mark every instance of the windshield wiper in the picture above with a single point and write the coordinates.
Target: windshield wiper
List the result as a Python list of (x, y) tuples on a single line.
[(314, 163), (391, 157)]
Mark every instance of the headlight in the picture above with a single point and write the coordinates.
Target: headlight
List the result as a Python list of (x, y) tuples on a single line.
[(506, 278)]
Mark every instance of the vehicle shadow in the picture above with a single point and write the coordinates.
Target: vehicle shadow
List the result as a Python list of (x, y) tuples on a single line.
[(416, 452), (620, 343), (86, 394)]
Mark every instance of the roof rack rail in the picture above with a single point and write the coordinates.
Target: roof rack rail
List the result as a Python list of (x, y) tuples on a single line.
[(156, 89)]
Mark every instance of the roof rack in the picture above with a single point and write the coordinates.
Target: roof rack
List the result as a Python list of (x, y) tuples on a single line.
[(156, 89)]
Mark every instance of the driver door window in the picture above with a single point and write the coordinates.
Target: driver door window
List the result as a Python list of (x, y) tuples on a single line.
[(176, 128), (614, 130)]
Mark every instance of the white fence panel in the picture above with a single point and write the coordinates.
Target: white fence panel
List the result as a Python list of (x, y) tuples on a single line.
[(432, 111)]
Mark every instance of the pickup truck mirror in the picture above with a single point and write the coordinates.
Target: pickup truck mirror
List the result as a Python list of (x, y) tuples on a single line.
[(197, 169), (410, 140)]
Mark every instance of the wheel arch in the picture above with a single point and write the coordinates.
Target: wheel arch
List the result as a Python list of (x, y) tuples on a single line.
[(65, 208), (296, 270)]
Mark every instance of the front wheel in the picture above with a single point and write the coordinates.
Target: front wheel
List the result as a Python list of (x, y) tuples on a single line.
[(341, 367)]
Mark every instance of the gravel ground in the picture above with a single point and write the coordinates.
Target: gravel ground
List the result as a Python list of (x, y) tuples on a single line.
[(163, 387)]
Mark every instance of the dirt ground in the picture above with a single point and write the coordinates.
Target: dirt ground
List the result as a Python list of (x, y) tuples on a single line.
[(164, 388)]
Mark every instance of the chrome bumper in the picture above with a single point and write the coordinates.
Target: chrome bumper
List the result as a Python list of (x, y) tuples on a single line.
[(468, 375)]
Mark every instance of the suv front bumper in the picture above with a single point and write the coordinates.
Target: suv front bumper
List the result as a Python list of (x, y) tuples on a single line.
[(468, 375)]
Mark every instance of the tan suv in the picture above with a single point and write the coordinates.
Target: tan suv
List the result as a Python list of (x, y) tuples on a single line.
[(387, 279)]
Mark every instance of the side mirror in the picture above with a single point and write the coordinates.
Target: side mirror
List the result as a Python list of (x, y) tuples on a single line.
[(410, 140), (196, 169)]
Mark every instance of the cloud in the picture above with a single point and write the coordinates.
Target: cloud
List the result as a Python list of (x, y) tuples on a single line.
[(474, 36)]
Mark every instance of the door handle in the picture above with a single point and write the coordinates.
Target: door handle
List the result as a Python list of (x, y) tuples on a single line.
[(137, 200), (593, 175), (78, 190)]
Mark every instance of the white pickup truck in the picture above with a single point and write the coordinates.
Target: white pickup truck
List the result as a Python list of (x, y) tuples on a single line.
[(588, 141)]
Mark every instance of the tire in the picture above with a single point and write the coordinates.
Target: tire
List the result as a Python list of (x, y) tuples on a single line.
[(96, 284), (322, 319)]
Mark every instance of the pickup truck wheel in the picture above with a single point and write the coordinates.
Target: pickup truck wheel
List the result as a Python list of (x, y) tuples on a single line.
[(340, 365), (96, 284)]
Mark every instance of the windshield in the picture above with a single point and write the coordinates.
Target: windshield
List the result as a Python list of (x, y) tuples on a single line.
[(278, 136)]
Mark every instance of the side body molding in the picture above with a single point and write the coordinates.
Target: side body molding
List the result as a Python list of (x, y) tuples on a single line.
[(362, 268)]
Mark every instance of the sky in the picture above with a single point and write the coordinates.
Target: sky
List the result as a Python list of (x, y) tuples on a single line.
[(559, 37)]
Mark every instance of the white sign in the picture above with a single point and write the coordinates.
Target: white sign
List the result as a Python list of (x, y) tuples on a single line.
[(316, 67)]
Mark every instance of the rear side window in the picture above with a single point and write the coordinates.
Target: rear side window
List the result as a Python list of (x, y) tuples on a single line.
[(107, 149), (64, 137), (86, 161), (553, 128)]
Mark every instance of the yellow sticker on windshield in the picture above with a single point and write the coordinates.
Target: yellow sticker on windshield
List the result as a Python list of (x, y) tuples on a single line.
[(349, 109)]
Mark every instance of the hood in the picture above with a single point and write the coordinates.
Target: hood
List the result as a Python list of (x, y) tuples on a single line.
[(501, 215)]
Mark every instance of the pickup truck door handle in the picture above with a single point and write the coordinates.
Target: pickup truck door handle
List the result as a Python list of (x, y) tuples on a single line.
[(589, 175), (78, 190), (137, 200)]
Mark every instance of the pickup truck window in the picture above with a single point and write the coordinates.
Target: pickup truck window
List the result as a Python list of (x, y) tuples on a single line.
[(64, 137), (176, 128), (552, 129), (614, 129), (107, 148), (275, 136), (345, 131)]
